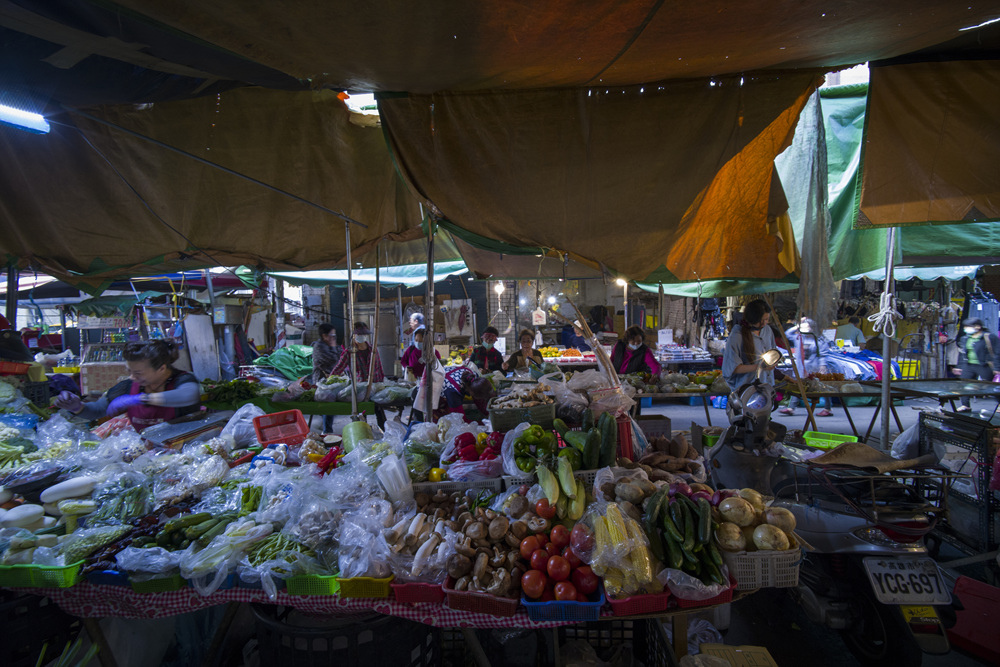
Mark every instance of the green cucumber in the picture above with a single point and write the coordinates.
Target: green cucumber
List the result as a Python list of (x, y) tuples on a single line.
[(688, 544), (186, 520), (588, 419), (704, 521), (715, 554), (592, 450), (675, 558), (673, 522), (560, 426)]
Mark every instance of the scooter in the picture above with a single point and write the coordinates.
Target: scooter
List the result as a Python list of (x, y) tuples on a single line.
[(865, 572)]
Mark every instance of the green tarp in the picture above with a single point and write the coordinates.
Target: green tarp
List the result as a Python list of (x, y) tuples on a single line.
[(293, 361), (110, 306)]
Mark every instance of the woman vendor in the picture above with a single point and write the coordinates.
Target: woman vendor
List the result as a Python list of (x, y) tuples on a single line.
[(326, 353), (413, 358), (631, 355), (486, 357), (154, 392), (363, 351), (747, 341), (520, 358), (809, 353)]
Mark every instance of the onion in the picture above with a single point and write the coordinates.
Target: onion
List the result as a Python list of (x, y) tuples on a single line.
[(770, 538), (754, 498), (748, 537), (780, 517), (679, 487), (728, 493), (701, 494), (737, 510), (730, 537)]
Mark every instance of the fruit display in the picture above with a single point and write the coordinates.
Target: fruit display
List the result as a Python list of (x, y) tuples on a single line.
[(571, 353), (550, 352)]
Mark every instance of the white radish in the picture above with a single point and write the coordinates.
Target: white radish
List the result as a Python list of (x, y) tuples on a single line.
[(22, 516), (5, 495), (52, 509), (71, 488)]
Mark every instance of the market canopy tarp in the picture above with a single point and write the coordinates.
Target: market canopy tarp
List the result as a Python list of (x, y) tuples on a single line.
[(676, 177), (92, 202), (411, 275), (932, 144), (932, 273), (110, 306), (427, 47)]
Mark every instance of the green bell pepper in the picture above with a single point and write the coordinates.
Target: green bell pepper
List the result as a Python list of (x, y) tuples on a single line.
[(525, 463), (574, 457)]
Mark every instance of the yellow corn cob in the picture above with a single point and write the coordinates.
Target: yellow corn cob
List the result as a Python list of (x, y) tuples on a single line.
[(642, 562), (616, 525), (602, 539), (614, 582)]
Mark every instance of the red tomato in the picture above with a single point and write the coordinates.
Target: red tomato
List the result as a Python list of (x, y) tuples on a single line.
[(533, 583), (565, 591), (581, 539), (580, 597), (543, 539), (552, 549), (585, 580), (548, 595), (558, 569), (528, 546), (539, 560), (560, 536), (544, 509), (570, 555)]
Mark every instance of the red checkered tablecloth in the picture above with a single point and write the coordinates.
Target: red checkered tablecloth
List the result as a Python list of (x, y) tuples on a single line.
[(90, 601)]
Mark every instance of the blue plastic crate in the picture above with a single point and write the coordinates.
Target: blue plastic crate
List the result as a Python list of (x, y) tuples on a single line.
[(645, 402), (565, 611)]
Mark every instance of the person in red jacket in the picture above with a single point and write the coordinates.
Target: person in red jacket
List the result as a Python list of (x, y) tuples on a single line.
[(487, 358), (413, 357)]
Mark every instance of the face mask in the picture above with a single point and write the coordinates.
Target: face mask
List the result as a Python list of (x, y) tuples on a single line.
[(361, 339), (805, 328), (971, 330), (634, 346), (488, 344), (417, 344)]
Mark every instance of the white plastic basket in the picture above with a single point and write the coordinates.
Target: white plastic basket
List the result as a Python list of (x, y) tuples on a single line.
[(764, 569), (511, 482)]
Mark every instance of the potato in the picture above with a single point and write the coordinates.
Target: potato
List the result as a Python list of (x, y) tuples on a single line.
[(628, 492)]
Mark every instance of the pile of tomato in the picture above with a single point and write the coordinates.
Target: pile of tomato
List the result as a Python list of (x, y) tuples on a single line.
[(556, 573)]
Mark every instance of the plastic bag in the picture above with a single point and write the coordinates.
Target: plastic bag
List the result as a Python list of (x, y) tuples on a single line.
[(329, 390), (686, 587), (57, 429), (207, 568), (619, 551), (471, 471), (397, 393), (451, 426), (507, 451), (240, 426), (316, 527), (420, 561), (587, 380), (614, 400), (143, 564), (613, 475), (907, 444), (363, 549)]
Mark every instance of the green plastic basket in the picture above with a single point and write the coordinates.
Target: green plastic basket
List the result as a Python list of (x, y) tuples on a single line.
[(159, 585), (313, 584), (821, 440), (708, 440), (39, 576), (365, 587)]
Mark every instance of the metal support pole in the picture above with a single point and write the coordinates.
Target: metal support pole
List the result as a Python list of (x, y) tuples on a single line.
[(12, 276), (211, 306), (350, 326), (890, 256), (429, 334), (374, 341)]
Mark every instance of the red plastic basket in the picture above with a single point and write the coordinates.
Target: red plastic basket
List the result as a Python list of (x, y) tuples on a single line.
[(288, 427), (418, 593), (625, 438), (721, 598), (13, 368), (479, 603), (640, 604)]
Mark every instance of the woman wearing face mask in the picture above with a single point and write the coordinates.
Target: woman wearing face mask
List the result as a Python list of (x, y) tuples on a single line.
[(363, 352), (747, 341), (154, 392), (413, 357), (486, 357), (631, 355), (979, 355), (527, 351), (809, 352)]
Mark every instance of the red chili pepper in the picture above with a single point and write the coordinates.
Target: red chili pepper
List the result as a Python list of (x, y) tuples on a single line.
[(329, 461)]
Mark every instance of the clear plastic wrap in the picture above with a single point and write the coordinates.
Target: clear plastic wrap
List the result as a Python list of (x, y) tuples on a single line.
[(240, 426), (617, 549), (424, 432), (363, 549), (615, 475), (182, 480), (57, 429), (587, 380), (507, 451), (426, 560), (471, 471), (687, 587), (316, 527), (614, 400), (274, 558)]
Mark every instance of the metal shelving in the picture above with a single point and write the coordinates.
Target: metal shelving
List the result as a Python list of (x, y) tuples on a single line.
[(973, 437)]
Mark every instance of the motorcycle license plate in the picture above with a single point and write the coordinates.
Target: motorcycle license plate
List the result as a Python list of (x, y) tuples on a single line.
[(907, 581)]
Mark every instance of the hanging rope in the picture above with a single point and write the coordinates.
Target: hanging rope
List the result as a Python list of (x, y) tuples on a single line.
[(884, 320)]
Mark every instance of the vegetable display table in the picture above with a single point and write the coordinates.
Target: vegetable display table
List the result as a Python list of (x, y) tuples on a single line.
[(310, 408), (681, 395), (90, 601), (867, 391)]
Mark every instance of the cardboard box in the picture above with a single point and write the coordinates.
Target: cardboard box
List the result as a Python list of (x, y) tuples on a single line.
[(654, 425), (740, 656), (99, 376)]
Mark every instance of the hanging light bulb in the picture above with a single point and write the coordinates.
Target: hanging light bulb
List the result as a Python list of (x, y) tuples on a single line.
[(498, 288)]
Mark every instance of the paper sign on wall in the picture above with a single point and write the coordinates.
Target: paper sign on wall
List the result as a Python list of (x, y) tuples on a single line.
[(665, 336), (538, 317)]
